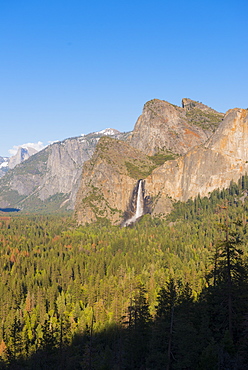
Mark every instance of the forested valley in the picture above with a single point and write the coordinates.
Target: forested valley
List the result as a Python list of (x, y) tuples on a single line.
[(163, 294)]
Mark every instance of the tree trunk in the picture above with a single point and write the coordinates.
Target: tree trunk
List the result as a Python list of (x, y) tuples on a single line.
[(170, 339)]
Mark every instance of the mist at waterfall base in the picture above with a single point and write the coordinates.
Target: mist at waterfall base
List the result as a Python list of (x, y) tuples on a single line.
[(137, 204)]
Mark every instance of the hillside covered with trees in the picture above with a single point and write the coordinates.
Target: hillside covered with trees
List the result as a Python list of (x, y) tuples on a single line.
[(164, 294)]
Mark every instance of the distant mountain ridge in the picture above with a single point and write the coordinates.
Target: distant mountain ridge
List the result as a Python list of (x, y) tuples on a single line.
[(21, 155), (95, 174), (49, 179)]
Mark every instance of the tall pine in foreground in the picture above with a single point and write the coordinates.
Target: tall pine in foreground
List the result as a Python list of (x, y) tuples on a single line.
[(226, 299), (138, 331)]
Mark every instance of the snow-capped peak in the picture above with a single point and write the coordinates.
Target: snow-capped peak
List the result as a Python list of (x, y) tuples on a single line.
[(108, 131)]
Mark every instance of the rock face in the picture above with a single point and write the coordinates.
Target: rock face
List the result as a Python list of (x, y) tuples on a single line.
[(21, 155), (49, 179), (108, 180), (168, 128), (222, 158)]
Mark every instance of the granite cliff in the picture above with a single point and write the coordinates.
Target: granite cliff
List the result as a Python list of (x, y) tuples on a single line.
[(22, 155), (212, 164), (223, 158), (108, 179), (164, 127), (49, 179)]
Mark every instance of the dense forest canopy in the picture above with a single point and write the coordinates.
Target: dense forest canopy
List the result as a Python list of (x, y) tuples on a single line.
[(163, 294)]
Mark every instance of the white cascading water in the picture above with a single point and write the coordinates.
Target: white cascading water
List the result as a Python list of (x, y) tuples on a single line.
[(139, 206), (140, 202)]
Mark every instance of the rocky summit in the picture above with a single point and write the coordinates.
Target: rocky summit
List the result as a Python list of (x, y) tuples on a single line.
[(164, 127), (218, 156), (21, 155)]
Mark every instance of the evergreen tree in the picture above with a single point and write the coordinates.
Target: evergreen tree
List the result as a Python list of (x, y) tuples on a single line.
[(138, 330)]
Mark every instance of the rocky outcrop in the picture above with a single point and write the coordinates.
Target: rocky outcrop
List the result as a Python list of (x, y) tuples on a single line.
[(214, 165), (169, 128), (22, 155), (108, 180), (223, 158)]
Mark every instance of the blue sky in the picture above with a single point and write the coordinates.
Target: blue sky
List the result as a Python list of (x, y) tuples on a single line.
[(73, 67)]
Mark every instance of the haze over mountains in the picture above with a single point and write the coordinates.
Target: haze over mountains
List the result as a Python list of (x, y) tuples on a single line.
[(178, 151), (4, 161)]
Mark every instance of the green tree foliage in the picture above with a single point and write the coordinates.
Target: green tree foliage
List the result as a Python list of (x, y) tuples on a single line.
[(162, 294), (138, 331)]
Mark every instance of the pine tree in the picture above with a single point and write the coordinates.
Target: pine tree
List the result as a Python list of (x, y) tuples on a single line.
[(163, 328), (138, 331)]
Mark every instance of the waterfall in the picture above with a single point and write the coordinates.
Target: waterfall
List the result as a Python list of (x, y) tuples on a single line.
[(140, 202), (139, 209)]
